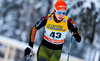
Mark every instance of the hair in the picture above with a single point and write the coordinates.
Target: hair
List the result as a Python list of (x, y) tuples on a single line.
[(54, 10)]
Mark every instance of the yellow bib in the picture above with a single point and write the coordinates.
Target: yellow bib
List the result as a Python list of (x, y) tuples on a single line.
[(56, 32), (60, 27)]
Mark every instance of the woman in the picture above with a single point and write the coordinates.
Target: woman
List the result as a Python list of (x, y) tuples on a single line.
[(56, 28)]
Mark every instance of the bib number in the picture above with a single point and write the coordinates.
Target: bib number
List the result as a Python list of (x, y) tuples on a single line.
[(55, 35)]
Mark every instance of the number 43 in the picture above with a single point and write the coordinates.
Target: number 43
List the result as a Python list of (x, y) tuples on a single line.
[(54, 34)]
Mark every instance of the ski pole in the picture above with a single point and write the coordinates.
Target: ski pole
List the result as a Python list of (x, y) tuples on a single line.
[(28, 56), (69, 48)]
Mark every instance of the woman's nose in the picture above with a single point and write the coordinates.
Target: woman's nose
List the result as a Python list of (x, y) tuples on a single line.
[(61, 15)]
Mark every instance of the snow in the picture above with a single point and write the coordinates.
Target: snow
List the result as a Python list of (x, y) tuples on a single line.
[(97, 55), (19, 1), (96, 2), (96, 42), (1, 21), (38, 5), (87, 4), (1, 3), (23, 36), (9, 17), (10, 0), (17, 32)]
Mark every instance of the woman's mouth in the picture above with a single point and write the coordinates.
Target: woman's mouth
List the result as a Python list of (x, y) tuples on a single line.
[(60, 18)]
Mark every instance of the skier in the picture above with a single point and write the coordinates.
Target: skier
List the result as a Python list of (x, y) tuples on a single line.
[(56, 27)]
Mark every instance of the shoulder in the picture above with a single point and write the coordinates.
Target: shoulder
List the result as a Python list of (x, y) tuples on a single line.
[(71, 21), (66, 17), (46, 17)]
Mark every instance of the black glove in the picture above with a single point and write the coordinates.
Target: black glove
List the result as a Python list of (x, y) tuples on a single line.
[(27, 51), (77, 37), (74, 29)]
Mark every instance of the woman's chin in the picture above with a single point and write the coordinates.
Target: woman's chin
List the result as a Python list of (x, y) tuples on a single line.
[(59, 19)]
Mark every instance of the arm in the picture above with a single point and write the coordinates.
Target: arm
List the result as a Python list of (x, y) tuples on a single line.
[(74, 30), (32, 36), (36, 27)]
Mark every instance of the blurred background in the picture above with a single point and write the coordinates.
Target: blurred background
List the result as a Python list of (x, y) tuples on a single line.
[(18, 16)]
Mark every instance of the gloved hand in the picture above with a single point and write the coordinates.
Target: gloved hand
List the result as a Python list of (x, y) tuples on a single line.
[(74, 29), (28, 51), (77, 37)]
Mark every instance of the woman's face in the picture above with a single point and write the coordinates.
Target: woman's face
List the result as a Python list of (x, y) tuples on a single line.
[(60, 14)]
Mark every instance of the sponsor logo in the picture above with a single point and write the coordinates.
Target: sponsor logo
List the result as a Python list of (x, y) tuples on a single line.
[(55, 27), (64, 29), (64, 20), (50, 19)]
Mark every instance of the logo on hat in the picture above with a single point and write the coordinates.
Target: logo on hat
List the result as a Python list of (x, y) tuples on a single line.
[(61, 6)]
